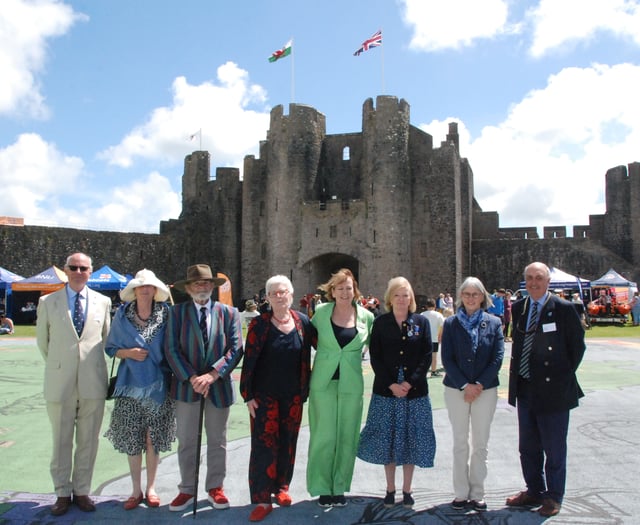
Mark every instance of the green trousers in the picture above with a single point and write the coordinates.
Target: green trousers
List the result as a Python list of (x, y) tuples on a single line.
[(334, 424)]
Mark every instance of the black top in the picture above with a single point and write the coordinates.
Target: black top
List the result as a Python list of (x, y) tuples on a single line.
[(280, 357), (344, 336)]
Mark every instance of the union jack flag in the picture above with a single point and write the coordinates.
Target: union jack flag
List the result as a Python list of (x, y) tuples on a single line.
[(374, 41)]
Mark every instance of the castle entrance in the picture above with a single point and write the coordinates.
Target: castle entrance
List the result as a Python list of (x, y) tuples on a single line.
[(319, 269)]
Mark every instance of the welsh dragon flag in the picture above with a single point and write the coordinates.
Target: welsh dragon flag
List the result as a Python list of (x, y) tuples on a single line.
[(281, 53)]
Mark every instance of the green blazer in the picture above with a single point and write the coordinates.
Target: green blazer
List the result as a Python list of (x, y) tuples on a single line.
[(329, 355)]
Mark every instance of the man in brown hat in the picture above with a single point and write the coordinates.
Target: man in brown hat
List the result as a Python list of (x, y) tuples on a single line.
[(203, 345)]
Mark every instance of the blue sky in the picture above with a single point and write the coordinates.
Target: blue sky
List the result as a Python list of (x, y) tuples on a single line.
[(98, 98)]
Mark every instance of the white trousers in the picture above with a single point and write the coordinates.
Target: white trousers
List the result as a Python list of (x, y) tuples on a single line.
[(471, 424)]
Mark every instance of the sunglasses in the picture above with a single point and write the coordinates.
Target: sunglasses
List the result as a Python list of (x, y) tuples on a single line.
[(75, 268)]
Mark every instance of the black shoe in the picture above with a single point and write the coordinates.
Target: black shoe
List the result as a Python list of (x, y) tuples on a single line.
[(325, 501), (407, 500), (390, 499), (479, 505), (459, 504), (339, 501)]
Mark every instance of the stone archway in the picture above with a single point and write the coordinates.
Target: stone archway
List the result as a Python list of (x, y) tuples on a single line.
[(319, 269)]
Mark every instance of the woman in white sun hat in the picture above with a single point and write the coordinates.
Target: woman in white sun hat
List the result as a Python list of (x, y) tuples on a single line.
[(143, 417)]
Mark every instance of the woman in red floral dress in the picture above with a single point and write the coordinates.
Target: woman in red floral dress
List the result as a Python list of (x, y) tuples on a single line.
[(275, 384)]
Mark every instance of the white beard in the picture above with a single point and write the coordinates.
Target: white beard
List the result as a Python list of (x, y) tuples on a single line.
[(201, 296)]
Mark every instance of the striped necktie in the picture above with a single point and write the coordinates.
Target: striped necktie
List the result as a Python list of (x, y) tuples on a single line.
[(530, 335), (203, 326), (78, 316)]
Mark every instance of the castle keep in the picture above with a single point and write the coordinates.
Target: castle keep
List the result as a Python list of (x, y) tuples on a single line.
[(383, 202)]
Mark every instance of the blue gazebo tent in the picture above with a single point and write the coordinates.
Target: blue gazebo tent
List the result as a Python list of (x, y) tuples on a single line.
[(623, 287), (6, 279), (106, 278)]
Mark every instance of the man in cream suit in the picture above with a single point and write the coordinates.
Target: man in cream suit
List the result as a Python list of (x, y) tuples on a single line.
[(72, 327)]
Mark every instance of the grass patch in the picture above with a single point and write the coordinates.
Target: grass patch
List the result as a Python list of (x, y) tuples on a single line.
[(613, 331)]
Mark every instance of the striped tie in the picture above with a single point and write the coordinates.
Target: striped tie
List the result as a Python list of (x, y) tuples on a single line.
[(525, 358), (203, 326)]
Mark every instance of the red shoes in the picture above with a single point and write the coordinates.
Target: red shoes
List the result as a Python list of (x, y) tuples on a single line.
[(181, 502), (133, 502), (218, 499), (260, 513), (283, 499), (152, 500)]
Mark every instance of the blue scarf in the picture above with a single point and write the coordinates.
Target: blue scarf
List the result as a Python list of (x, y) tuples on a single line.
[(141, 380), (470, 324)]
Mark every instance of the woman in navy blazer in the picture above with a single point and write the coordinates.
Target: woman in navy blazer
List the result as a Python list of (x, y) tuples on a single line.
[(472, 352)]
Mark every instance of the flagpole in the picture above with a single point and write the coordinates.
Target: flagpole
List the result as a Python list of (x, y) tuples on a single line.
[(293, 85), (382, 62)]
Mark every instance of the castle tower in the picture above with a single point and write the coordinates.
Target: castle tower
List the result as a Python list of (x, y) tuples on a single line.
[(276, 185), (386, 185)]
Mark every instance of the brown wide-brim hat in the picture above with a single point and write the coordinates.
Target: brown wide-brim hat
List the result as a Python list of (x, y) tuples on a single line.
[(198, 272)]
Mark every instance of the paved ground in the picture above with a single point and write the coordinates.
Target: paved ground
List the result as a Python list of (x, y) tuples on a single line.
[(603, 470)]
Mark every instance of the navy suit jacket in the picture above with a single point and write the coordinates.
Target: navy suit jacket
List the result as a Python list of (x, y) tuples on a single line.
[(557, 351), (461, 363), (186, 355)]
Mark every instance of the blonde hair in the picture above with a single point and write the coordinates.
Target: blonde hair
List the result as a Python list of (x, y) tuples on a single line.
[(338, 278), (392, 286)]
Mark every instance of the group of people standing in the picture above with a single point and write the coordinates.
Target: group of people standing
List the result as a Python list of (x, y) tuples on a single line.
[(175, 376)]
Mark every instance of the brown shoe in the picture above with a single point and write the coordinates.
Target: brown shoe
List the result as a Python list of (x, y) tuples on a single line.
[(61, 506), (549, 508), (523, 499), (84, 503)]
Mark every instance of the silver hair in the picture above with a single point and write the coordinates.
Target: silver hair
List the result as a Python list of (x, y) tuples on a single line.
[(474, 282)]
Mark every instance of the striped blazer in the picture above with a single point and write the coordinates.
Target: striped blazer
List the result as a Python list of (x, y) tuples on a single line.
[(186, 355)]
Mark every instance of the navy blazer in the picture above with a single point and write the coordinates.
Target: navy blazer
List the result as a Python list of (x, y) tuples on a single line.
[(392, 347), (461, 364), (557, 351)]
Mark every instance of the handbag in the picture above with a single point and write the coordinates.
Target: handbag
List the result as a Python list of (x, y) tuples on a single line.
[(112, 380)]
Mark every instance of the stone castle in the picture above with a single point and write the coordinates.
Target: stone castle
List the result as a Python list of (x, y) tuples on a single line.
[(382, 202)]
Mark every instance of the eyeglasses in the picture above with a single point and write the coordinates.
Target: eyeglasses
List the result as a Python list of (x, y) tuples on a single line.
[(471, 295), (75, 268), (279, 293)]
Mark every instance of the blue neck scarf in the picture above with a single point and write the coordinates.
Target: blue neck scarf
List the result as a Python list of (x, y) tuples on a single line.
[(142, 380), (470, 324)]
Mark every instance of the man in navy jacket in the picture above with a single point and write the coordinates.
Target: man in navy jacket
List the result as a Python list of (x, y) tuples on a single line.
[(548, 345)]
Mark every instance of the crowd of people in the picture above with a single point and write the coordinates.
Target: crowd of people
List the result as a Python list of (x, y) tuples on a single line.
[(174, 382)]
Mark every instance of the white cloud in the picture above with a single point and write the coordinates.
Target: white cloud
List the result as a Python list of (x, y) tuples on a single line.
[(561, 23), (455, 23), (230, 128), (139, 206), (25, 28), (545, 164), (34, 173), (46, 187)]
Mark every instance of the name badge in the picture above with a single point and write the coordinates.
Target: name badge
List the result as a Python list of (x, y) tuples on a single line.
[(549, 327)]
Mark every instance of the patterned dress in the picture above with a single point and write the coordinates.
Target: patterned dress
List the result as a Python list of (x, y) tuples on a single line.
[(399, 430), (135, 410), (275, 373)]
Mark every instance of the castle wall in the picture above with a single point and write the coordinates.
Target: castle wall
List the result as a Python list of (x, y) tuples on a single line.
[(28, 250), (501, 263), (383, 202)]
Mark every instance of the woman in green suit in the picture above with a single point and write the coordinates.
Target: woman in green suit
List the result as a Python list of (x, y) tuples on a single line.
[(336, 389)]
